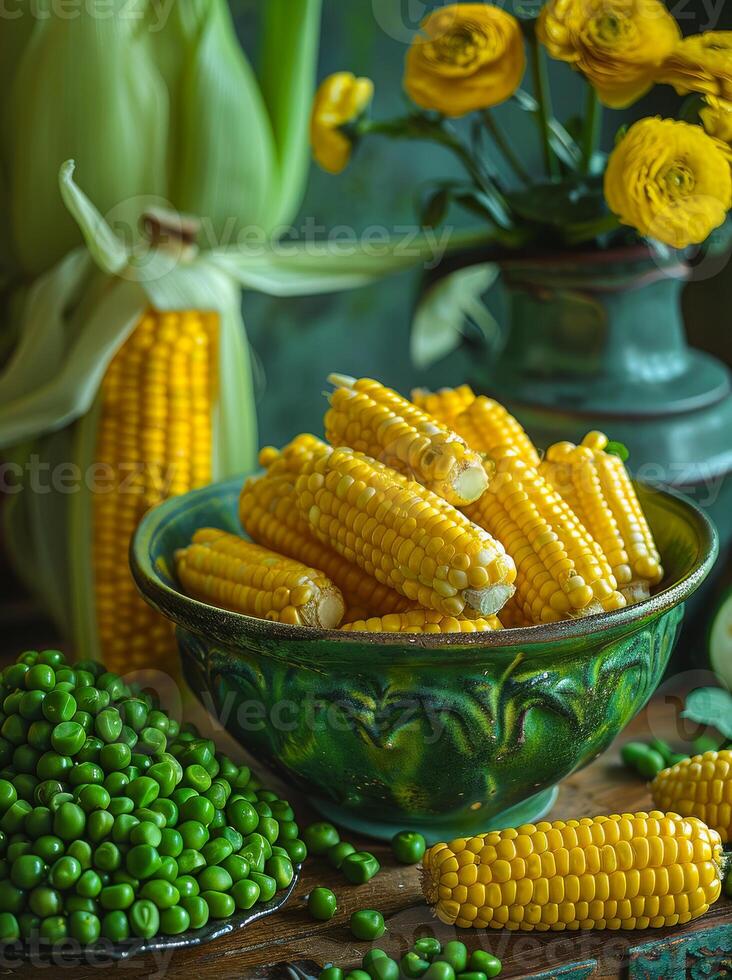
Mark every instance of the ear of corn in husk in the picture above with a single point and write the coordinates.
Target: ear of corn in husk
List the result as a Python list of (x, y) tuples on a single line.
[(403, 535), (626, 871), (562, 573), (597, 487), (269, 514), (699, 787), (421, 621), (225, 570), (374, 420)]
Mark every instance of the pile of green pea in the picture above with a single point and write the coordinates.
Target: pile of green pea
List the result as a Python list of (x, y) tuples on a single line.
[(115, 821), (427, 959)]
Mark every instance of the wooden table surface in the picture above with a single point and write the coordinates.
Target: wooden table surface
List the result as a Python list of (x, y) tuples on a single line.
[(291, 936)]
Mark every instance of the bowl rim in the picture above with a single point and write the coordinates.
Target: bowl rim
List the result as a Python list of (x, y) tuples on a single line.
[(156, 591)]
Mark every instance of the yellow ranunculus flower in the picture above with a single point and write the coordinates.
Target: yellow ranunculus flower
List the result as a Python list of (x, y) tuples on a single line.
[(470, 56), (717, 118), (341, 99), (701, 63), (670, 181), (618, 45)]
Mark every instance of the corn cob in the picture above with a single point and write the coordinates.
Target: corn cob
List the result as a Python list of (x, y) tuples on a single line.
[(561, 571), (374, 420), (404, 535), (597, 487), (488, 428), (269, 514), (444, 405), (154, 440), (699, 787), (422, 621), (629, 871), (225, 570)]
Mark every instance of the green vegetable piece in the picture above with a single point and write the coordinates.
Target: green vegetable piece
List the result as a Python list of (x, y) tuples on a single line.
[(146, 832), (413, 966), (220, 905), (215, 879), (242, 816), (456, 954), (175, 919), (143, 790), (197, 910), (40, 677), (440, 970), (44, 901), (484, 962), (142, 861), (9, 928), (384, 968), (322, 904), (115, 927), (367, 924), (190, 860), (59, 706), (64, 873), (27, 871), (187, 886), (89, 884), (245, 893), (360, 867), (144, 918), (164, 894), (320, 837), (296, 850), (82, 851), (53, 929), (267, 885), (171, 842), (280, 868), (357, 975), (331, 973), (120, 896), (408, 847), (115, 757), (84, 927), (93, 797), (217, 850), (198, 808), (69, 822), (99, 825), (107, 857), (49, 848), (339, 852), (427, 947)]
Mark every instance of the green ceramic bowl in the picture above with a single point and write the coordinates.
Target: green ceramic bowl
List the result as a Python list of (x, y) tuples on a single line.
[(445, 734)]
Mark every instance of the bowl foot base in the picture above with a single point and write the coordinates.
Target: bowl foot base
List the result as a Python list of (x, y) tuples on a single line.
[(528, 811)]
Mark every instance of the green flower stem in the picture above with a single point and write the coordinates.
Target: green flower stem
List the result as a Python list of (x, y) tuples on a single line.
[(504, 146), (592, 130), (543, 97)]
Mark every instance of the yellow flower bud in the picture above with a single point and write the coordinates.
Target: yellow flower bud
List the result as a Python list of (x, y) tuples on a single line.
[(469, 56), (618, 45), (701, 63), (670, 181), (717, 118), (341, 99)]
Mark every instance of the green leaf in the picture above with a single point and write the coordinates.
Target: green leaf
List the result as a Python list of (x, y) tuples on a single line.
[(618, 449), (440, 317), (289, 55), (710, 706), (565, 205), (560, 140), (434, 209), (105, 248)]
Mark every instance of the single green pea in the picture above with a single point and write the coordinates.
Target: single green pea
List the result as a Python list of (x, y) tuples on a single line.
[(242, 816), (8, 795), (82, 851), (232, 836), (322, 904), (171, 842), (28, 871), (107, 857), (144, 918), (54, 658), (269, 828), (371, 956), (164, 894), (472, 975), (220, 905), (64, 873), (143, 790), (385, 968), (30, 705), (320, 837), (197, 910), (169, 811), (84, 927), (408, 847), (282, 810), (263, 809), (91, 700), (84, 719), (39, 822), (78, 903), (152, 740), (197, 808), (89, 884), (86, 772), (289, 830), (114, 757), (357, 975), (428, 947), (165, 774), (144, 813), (58, 800), (367, 924), (142, 861), (59, 706), (99, 825), (114, 685), (108, 724), (643, 759), (187, 886), (331, 973), (15, 729), (40, 677), (255, 852), (190, 860), (237, 866), (49, 847), (65, 675), (9, 929), (39, 735), (280, 868), (115, 926), (25, 784), (218, 793), (17, 848), (194, 834), (413, 966), (68, 738), (216, 851), (46, 791), (337, 854), (12, 898), (146, 832), (69, 822), (267, 885), (456, 954), (169, 869), (120, 896), (181, 794), (215, 879), (196, 777), (53, 929), (93, 797), (360, 867), (13, 819), (121, 805), (245, 893), (44, 901), (174, 920), (440, 970)]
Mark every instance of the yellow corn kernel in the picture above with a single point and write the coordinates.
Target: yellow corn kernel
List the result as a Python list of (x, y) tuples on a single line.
[(154, 441), (489, 428), (403, 535), (225, 570), (421, 621), (671, 865), (562, 572), (445, 404), (269, 514), (597, 486), (699, 787), (376, 421)]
